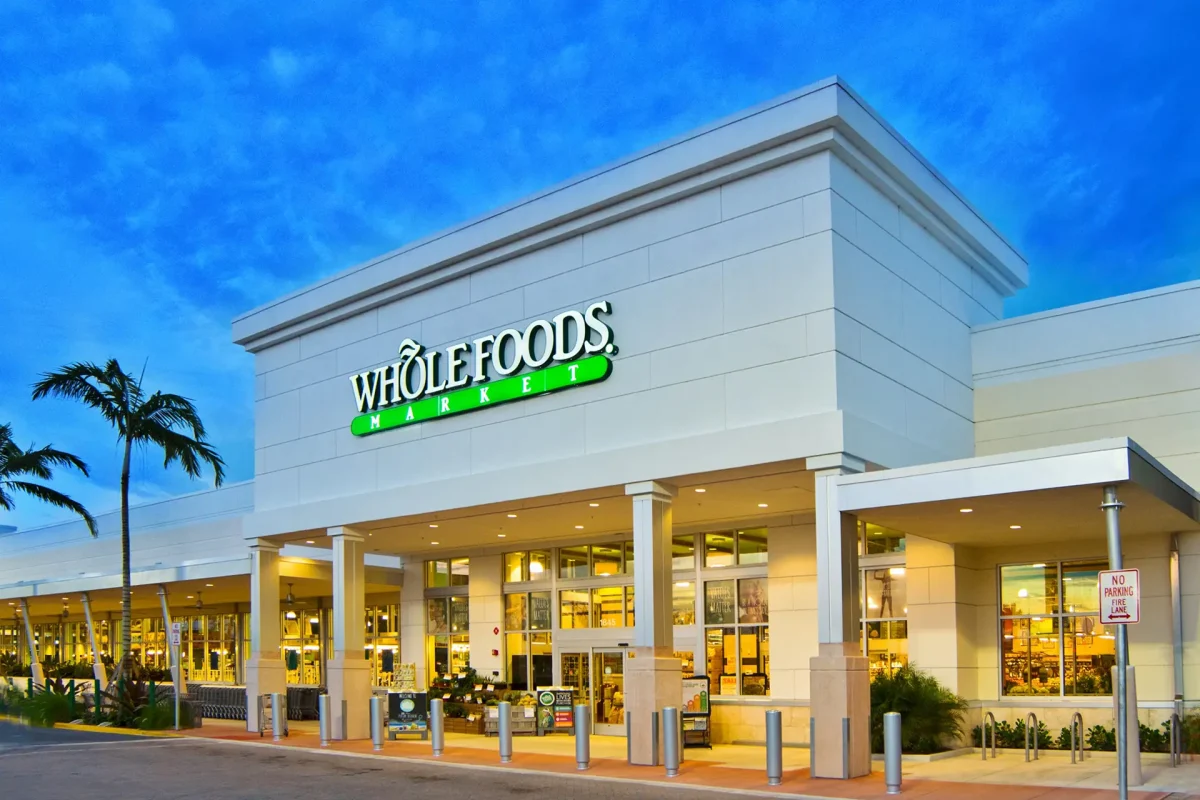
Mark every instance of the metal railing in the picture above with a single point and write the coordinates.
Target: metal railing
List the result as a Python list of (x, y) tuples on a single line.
[(1077, 741), (1031, 729), (989, 721)]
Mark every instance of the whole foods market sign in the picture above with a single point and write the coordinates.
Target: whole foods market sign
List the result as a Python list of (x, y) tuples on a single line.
[(572, 349)]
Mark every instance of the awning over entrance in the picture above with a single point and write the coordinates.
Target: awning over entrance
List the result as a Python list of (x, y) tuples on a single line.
[(1044, 495)]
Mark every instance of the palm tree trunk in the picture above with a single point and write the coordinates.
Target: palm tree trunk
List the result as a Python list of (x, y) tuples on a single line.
[(126, 615)]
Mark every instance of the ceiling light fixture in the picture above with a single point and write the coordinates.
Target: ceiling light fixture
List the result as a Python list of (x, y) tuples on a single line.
[(309, 541), (512, 516), (435, 542), (578, 527), (1014, 527), (1039, 566), (501, 535), (682, 584), (594, 505), (762, 505), (433, 524), (208, 585), (701, 491), (965, 510)]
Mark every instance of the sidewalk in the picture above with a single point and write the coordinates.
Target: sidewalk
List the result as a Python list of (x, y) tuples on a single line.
[(741, 768)]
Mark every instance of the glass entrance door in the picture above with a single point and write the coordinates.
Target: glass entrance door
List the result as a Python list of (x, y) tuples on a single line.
[(608, 695)]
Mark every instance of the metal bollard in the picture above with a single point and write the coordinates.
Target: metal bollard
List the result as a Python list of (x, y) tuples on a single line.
[(377, 723), (323, 718), (504, 729), (278, 720), (671, 740), (774, 748), (437, 726), (583, 737), (1031, 728), (892, 752)]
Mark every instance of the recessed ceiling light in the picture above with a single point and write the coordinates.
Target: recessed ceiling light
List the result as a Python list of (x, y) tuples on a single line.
[(762, 505), (189, 597), (65, 598), (512, 516), (432, 525), (435, 542), (701, 491), (208, 585), (578, 527), (965, 510), (1015, 527), (501, 535), (1039, 566), (594, 505), (309, 541)]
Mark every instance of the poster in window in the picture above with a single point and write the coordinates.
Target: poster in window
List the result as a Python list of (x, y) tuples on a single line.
[(539, 611), (437, 617), (460, 614), (718, 603), (729, 684), (752, 601)]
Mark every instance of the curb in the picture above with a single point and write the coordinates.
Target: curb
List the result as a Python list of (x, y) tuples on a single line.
[(70, 726)]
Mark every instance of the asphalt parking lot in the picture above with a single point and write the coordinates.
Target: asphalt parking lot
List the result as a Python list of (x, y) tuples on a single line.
[(38, 764)]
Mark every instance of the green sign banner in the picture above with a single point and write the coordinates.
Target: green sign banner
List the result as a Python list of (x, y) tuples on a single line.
[(518, 387)]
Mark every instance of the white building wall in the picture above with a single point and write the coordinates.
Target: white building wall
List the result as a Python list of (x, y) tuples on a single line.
[(721, 310), (904, 306)]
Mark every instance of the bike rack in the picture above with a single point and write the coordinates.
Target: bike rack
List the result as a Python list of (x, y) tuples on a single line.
[(989, 721), (1034, 730), (1076, 743), (1176, 740)]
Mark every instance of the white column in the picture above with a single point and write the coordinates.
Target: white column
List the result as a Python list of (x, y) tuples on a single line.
[(349, 681), (652, 574), (98, 669), (653, 679), (265, 670), (35, 666), (839, 684), (486, 606), (412, 619)]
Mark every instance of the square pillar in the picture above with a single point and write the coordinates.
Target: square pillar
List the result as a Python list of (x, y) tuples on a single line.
[(265, 670), (839, 683), (412, 620), (98, 670), (653, 677), (349, 673), (486, 606), (37, 676)]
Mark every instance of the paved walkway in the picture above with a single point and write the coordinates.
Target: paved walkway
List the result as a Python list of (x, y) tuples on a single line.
[(742, 769)]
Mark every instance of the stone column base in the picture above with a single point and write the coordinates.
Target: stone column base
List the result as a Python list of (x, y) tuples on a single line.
[(840, 689), (264, 675), (652, 683), (349, 684)]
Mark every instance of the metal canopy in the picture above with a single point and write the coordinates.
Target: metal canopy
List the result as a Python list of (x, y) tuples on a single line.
[(1052, 494)]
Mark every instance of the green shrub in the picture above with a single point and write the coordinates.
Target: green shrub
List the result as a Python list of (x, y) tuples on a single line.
[(51, 704), (931, 715), (11, 666)]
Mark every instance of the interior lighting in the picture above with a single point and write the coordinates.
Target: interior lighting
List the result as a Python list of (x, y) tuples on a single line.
[(209, 585), (314, 620), (290, 615), (512, 516), (1039, 566), (578, 527), (309, 541), (762, 505), (536, 568), (501, 535), (701, 491), (1023, 593), (435, 543), (594, 505), (897, 572), (1014, 527), (189, 597), (965, 510), (432, 525), (682, 584)]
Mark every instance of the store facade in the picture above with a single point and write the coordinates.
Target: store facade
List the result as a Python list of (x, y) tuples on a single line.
[(693, 354)]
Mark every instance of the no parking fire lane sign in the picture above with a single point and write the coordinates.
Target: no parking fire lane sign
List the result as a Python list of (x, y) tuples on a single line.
[(1120, 597)]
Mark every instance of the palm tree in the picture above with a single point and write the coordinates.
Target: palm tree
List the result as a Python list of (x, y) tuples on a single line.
[(40, 464), (158, 421)]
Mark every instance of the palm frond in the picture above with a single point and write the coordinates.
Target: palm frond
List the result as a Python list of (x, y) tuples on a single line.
[(187, 451), (172, 411), (55, 498), (95, 387), (38, 463)]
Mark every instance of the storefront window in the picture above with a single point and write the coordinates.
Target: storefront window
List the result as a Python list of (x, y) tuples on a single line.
[(515, 612), (738, 655), (607, 560), (527, 638), (683, 552), (573, 562), (608, 607), (730, 548), (718, 550), (752, 546), (1051, 641), (444, 574), (300, 643), (382, 641), (687, 661), (683, 603), (877, 540), (533, 565), (574, 608), (884, 618)]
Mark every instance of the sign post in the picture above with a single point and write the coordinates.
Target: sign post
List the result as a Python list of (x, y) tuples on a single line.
[(1120, 605), (176, 642)]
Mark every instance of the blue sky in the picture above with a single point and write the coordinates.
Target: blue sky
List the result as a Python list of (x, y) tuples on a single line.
[(165, 167)]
